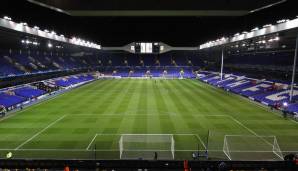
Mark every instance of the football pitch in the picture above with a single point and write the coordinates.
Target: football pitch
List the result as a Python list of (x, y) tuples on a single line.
[(88, 123)]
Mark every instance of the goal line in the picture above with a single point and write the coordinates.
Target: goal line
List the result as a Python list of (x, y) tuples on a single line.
[(250, 147), (132, 146)]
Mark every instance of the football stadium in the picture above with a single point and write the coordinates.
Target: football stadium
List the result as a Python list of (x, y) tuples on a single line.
[(151, 85)]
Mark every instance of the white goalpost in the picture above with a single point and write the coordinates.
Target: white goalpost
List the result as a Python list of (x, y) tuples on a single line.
[(147, 146), (250, 147)]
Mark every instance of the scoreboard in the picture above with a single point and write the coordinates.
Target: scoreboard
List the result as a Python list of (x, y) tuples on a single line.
[(146, 48)]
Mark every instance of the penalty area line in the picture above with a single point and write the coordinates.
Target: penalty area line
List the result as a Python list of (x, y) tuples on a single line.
[(41, 131), (89, 145)]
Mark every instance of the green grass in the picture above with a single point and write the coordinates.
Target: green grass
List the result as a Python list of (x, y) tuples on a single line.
[(64, 127)]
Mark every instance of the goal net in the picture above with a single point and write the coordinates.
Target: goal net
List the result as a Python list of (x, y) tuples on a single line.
[(246, 147), (147, 146)]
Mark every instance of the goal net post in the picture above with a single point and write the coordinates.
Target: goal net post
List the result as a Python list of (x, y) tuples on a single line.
[(147, 146), (251, 147)]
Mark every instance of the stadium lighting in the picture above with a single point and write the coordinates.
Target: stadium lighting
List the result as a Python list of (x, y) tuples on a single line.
[(50, 45), (244, 32), (35, 27), (285, 104), (255, 29), (46, 30), (276, 38), (84, 43), (161, 48), (7, 18), (237, 34), (54, 33), (282, 21), (267, 25), (61, 35), (24, 24)]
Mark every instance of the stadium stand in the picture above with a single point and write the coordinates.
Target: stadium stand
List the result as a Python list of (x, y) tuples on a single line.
[(266, 92), (13, 97), (10, 100), (29, 92)]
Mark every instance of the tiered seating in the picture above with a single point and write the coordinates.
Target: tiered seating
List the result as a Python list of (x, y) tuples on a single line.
[(209, 76), (255, 90), (155, 71), (228, 80), (276, 96), (29, 92), (8, 100), (293, 108), (72, 80), (10, 97), (41, 63), (266, 92), (237, 84), (7, 69)]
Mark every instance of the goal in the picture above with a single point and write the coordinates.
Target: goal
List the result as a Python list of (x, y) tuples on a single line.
[(250, 147), (147, 146)]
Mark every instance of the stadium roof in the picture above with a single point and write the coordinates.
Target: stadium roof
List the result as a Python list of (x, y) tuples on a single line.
[(157, 8), (118, 22)]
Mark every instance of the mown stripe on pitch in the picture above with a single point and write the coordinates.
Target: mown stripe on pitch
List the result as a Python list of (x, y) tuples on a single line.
[(165, 123)]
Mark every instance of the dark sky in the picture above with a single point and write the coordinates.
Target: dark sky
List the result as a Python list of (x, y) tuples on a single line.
[(118, 31)]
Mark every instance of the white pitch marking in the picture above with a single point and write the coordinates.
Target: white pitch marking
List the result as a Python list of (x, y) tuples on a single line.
[(63, 149), (251, 131), (201, 141), (41, 131), (91, 141), (253, 102)]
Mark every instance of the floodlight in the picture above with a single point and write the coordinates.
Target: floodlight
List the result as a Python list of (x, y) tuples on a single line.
[(50, 45), (285, 104), (255, 29), (282, 21), (46, 30), (24, 24), (276, 38), (7, 18), (267, 25), (161, 48)]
